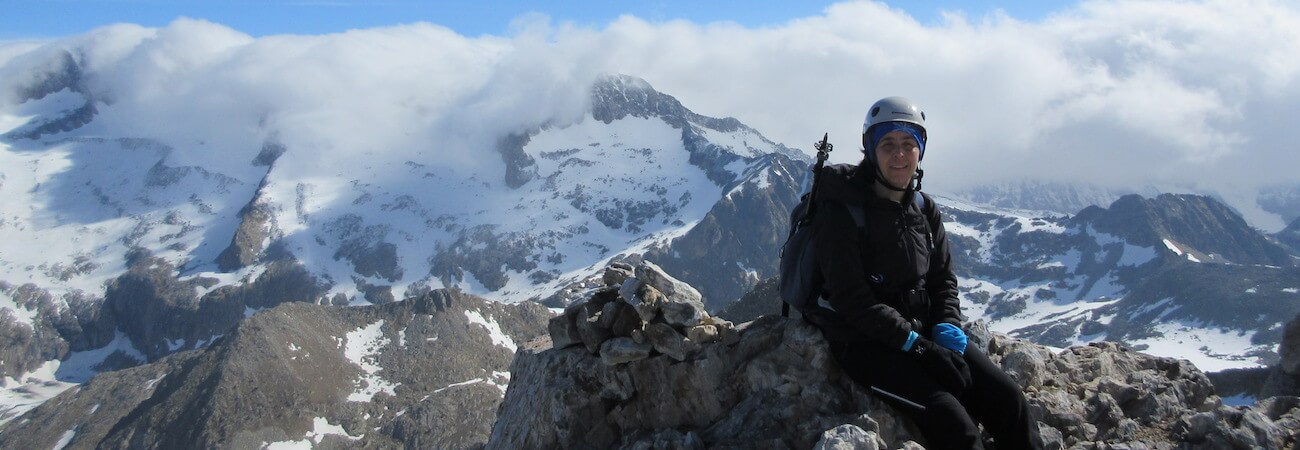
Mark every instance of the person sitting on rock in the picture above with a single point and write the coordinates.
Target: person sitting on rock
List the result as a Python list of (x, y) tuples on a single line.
[(891, 312)]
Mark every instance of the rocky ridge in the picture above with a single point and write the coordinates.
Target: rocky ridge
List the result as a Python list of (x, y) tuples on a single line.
[(427, 372), (775, 385)]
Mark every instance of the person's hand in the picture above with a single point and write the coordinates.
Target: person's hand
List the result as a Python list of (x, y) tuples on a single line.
[(946, 366), (950, 337)]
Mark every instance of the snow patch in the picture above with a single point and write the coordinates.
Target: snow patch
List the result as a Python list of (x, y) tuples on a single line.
[(79, 367), (362, 348), (65, 439), (27, 391), (493, 328), (1170, 245), (1210, 349), (501, 380)]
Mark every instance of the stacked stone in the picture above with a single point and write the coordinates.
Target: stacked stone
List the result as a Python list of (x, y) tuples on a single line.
[(640, 312)]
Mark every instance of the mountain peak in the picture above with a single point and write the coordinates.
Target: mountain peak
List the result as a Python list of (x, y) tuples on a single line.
[(617, 96), (1189, 222)]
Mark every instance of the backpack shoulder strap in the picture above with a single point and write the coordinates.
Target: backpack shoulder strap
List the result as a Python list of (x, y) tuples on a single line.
[(931, 214)]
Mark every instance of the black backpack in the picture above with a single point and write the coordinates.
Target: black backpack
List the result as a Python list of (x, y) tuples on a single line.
[(801, 280)]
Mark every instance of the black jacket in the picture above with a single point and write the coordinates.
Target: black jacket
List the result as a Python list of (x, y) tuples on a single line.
[(867, 279)]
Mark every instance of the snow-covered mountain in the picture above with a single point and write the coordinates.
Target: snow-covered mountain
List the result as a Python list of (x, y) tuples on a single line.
[(119, 247), (1177, 275)]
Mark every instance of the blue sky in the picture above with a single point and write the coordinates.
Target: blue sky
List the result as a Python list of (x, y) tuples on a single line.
[(34, 19)]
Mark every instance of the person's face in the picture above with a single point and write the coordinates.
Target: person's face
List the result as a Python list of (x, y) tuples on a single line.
[(897, 155)]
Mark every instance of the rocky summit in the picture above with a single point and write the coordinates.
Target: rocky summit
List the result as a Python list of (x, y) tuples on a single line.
[(775, 385)]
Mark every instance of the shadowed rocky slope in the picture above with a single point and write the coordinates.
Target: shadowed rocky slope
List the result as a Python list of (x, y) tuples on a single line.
[(424, 373)]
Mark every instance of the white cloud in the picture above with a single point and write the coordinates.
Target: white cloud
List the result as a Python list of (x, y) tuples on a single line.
[(1194, 94)]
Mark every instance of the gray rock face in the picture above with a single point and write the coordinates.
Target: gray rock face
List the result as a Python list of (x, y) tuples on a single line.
[(1201, 222), (742, 393), (748, 227), (520, 168), (162, 314), (365, 246), (50, 335), (482, 252), (848, 437), (254, 228), (423, 373)]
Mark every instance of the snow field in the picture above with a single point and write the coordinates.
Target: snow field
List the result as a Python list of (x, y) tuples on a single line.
[(362, 347)]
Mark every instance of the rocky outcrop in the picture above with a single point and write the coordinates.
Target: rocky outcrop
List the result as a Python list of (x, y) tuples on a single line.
[(163, 314), (1194, 223), (1284, 377), (251, 237), (365, 246), (520, 168), (776, 386), (746, 227), (48, 331), (427, 372)]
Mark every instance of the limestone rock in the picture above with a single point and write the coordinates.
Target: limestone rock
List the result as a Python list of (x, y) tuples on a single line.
[(703, 334), (621, 319), (668, 341), (617, 273), (672, 288), (590, 330), (563, 331), (682, 312), (848, 437), (623, 350), (643, 297)]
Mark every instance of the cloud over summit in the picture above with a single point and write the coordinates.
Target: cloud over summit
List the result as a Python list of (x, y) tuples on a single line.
[(1201, 95)]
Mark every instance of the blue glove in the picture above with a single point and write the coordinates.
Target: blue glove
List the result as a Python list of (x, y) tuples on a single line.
[(950, 337)]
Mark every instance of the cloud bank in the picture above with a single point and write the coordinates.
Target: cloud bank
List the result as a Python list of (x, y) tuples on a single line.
[(1197, 95)]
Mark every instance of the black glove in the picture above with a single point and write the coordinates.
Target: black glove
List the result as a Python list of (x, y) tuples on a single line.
[(946, 366)]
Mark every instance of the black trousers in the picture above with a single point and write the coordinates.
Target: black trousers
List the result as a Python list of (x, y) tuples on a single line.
[(947, 419)]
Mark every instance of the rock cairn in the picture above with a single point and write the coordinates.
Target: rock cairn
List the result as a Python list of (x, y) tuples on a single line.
[(640, 312)]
